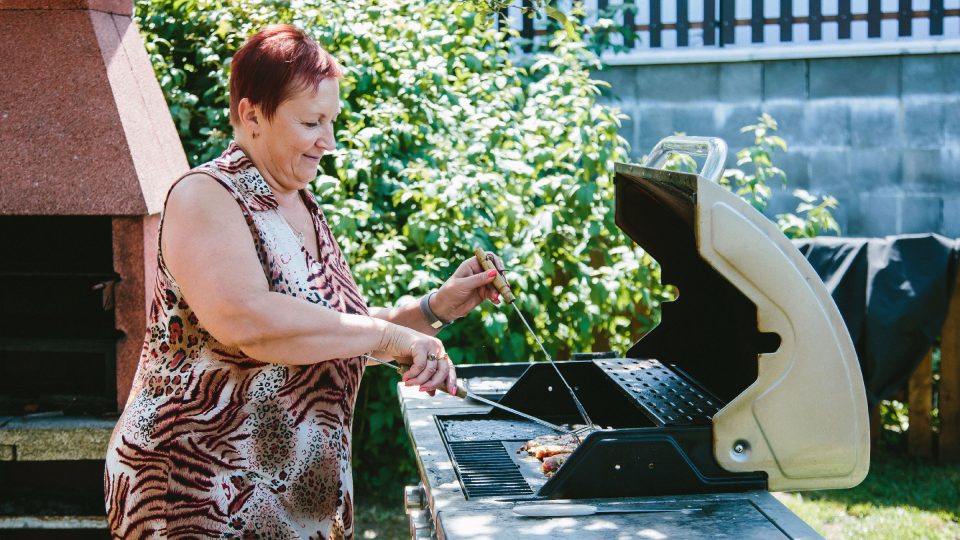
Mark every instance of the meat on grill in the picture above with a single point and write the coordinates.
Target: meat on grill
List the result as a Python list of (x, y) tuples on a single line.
[(552, 450)]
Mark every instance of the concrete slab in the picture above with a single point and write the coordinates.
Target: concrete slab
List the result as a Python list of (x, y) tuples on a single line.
[(785, 79), (852, 77), (54, 438)]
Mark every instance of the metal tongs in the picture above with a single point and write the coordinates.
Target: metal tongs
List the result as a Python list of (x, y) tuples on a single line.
[(463, 393), (500, 283)]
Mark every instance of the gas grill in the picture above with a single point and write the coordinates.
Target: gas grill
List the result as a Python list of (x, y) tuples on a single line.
[(749, 384)]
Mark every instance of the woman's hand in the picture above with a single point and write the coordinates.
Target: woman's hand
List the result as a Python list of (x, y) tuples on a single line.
[(466, 289), (429, 366)]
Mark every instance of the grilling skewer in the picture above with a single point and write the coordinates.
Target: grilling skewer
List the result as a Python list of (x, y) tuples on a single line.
[(504, 289), (463, 393)]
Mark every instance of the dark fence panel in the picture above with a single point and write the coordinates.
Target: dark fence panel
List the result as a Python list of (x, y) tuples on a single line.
[(655, 25), (709, 22), (873, 18), (728, 21), (722, 23), (786, 20)]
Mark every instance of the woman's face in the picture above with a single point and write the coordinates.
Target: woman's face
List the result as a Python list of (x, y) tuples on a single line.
[(300, 133)]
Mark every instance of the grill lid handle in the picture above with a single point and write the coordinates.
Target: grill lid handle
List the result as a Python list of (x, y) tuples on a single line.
[(715, 149)]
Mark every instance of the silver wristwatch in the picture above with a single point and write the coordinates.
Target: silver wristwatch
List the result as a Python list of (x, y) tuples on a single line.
[(432, 319)]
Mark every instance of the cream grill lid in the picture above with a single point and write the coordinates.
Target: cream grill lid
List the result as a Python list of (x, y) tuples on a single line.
[(752, 322)]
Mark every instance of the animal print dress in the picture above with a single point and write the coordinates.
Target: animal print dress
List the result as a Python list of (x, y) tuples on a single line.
[(215, 444)]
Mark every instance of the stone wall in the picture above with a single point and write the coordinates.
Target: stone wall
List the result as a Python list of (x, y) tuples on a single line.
[(882, 134)]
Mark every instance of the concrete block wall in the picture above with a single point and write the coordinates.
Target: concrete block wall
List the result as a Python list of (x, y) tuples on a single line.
[(882, 134)]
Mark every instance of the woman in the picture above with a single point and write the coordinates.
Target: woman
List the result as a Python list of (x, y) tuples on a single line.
[(239, 420)]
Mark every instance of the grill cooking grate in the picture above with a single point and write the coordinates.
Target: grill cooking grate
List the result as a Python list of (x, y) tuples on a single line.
[(486, 470), (667, 398)]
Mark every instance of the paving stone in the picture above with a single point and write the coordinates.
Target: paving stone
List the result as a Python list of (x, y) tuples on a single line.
[(921, 213), (925, 168), (871, 169), (876, 123), (950, 71), (789, 116), (826, 123), (828, 167), (879, 213), (622, 80), (785, 79), (951, 123), (951, 216), (922, 74), (848, 206), (682, 83), (796, 165), (730, 118), (923, 123), (654, 122), (851, 77), (741, 81), (695, 120)]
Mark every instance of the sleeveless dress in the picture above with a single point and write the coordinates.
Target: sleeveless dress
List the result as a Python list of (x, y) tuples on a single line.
[(215, 444)]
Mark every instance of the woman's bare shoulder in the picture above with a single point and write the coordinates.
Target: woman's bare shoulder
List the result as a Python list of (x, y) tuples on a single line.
[(202, 214), (199, 192)]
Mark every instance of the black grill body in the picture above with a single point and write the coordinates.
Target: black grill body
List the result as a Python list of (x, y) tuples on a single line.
[(657, 437)]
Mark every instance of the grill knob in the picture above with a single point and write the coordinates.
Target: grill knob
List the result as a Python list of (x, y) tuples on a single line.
[(421, 525), (414, 498)]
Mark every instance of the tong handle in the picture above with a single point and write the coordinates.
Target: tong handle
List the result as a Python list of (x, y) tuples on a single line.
[(498, 282), (461, 388), (713, 147)]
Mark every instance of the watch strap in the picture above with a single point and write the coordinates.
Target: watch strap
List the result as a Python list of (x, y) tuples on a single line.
[(432, 319)]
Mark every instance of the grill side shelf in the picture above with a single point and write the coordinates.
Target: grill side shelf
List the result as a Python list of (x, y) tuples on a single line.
[(666, 397)]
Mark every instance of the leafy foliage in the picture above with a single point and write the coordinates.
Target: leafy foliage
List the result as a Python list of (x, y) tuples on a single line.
[(448, 138), (812, 217)]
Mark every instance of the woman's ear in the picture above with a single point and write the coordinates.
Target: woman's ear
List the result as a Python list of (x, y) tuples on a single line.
[(249, 116)]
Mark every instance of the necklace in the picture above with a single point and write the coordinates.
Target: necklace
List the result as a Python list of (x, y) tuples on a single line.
[(296, 231)]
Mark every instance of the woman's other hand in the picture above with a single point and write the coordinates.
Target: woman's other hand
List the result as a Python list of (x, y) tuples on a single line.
[(429, 367), (466, 289)]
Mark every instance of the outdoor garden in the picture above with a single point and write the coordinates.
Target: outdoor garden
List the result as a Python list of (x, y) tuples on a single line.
[(456, 132)]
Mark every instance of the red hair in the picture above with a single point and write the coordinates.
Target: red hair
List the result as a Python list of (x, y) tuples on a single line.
[(275, 63)]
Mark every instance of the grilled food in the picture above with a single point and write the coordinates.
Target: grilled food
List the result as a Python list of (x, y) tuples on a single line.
[(552, 450)]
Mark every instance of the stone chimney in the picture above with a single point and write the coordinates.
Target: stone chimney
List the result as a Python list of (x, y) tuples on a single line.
[(85, 131)]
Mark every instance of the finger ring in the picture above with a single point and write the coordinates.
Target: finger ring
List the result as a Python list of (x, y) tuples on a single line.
[(432, 358)]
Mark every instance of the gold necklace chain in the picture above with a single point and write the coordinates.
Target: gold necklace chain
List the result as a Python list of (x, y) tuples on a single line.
[(295, 230)]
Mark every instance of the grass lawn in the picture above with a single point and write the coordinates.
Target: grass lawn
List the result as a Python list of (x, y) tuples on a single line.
[(901, 499), (380, 518)]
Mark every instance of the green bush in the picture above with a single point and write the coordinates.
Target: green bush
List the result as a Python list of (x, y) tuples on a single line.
[(447, 138)]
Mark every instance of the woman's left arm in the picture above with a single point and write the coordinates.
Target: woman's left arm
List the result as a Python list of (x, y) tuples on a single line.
[(466, 289)]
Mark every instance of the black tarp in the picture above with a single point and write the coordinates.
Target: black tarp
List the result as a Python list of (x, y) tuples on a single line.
[(893, 294)]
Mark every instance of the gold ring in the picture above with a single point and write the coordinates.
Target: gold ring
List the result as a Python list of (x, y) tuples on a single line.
[(432, 358)]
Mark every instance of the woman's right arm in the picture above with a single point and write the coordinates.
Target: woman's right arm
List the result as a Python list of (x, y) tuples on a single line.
[(209, 250)]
